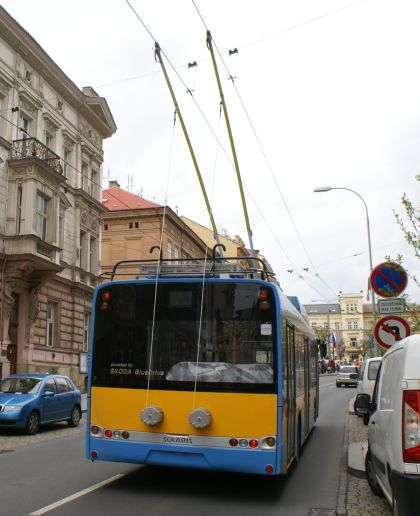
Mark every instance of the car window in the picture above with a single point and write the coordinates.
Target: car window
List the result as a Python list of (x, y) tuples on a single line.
[(389, 385), (70, 384), (63, 385), (373, 369), (349, 369), (377, 384), (20, 385), (50, 385)]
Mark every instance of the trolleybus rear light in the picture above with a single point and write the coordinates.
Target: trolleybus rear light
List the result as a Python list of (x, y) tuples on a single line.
[(125, 434), (116, 434), (103, 306), (253, 443), (108, 433), (233, 442), (96, 430), (93, 454), (243, 443), (263, 294), (269, 468), (106, 296), (270, 442)]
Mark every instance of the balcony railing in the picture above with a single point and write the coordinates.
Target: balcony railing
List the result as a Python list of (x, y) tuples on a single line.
[(32, 148)]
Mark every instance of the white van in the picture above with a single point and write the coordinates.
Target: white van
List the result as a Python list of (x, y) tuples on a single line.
[(393, 456), (367, 375)]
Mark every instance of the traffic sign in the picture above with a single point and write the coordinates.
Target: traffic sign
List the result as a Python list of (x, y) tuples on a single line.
[(388, 279), (391, 329), (392, 306)]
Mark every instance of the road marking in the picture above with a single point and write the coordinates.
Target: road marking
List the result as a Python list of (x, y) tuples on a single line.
[(72, 497), (326, 385)]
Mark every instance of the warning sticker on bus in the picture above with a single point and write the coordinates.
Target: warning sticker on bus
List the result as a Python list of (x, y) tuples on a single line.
[(266, 329)]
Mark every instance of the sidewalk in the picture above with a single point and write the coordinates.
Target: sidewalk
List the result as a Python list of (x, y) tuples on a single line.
[(358, 498)]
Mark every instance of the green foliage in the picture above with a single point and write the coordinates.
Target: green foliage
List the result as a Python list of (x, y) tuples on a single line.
[(411, 230)]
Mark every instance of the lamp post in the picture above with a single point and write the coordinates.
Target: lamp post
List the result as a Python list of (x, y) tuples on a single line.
[(327, 189)]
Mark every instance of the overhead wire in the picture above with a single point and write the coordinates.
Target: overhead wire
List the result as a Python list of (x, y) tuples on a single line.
[(192, 96), (264, 153)]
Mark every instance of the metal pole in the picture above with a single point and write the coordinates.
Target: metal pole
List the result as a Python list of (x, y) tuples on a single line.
[(373, 344), (232, 145), (158, 58)]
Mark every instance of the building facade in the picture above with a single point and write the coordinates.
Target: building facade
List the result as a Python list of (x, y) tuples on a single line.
[(133, 226), (345, 320), (51, 152)]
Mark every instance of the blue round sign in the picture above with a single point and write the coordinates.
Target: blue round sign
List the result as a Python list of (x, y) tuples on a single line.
[(388, 279)]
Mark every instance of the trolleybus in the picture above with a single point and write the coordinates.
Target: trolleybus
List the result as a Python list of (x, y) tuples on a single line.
[(204, 364)]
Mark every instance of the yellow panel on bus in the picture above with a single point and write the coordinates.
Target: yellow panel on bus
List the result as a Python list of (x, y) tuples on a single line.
[(233, 414)]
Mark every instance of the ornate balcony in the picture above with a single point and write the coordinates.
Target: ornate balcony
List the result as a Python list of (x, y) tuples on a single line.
[(32, 148)]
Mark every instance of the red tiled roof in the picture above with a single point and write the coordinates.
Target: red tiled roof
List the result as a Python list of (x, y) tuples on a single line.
[(118, 199)]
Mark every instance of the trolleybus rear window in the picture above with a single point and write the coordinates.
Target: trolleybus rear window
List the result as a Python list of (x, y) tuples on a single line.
[(222, 340)]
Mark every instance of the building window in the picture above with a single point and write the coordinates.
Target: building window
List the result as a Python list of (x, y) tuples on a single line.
[(92, 255), (51, 314), (130, 225), (68, 162), (82, 250), (337, 326), (94, 186), (176, 253), (49, 140), (105, 227), (355, 325), (85, 178), (136, 225), (61, 218), (24, 127), (349, 325), (18, 209), (168, 249), (86, 330), (41, 215)]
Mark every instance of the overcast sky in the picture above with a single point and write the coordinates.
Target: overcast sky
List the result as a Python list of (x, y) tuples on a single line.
[(332, 88)]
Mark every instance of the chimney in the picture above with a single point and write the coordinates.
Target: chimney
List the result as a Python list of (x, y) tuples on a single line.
[(113, 183)]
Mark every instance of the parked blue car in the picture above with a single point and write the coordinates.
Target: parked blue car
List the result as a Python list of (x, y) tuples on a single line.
[(30, 400)]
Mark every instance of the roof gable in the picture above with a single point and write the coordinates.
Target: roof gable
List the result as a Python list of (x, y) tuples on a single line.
[(116, 199)]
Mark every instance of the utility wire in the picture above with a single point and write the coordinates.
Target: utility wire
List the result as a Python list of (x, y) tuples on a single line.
[(264, 154), (194, 100), (246, 45)]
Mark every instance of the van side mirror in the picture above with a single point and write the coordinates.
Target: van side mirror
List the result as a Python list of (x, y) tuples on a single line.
[(361, 406)]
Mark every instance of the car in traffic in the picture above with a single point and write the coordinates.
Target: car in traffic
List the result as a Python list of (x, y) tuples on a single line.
[(348, 375), (367, 375), (30, 400), (392, 461)]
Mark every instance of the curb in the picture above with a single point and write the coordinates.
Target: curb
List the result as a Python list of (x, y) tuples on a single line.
[(356, 459)]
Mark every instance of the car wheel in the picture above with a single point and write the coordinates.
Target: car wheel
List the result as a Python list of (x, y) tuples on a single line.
[(338, 384), (32, 423), (370, 475), (75, 417)]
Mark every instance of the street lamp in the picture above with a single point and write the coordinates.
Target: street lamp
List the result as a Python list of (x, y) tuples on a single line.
[(327, 189)]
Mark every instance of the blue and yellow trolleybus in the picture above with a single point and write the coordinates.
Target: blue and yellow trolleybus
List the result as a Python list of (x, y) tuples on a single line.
[(204, 364)]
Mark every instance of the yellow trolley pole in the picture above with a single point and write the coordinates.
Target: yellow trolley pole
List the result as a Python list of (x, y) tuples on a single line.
[(232, 144), (158, 58)]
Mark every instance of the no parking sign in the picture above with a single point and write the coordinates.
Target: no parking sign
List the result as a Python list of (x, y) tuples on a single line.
[(391, 329), (388, 279)]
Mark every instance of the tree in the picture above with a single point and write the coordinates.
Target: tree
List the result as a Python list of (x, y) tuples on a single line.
[(411, 230)]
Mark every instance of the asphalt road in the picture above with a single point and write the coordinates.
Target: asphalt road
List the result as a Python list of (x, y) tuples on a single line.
[(51, 467)]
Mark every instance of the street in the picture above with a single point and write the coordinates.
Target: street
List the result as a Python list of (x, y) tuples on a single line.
[(50, 468)]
